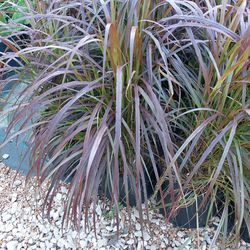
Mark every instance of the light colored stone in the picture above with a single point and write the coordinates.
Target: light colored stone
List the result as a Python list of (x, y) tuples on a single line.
[(14, 197), (166, 240), (138, 234), (12, 245), (177, 243), (203, 247), (163, 245), (130, 242), (180, 234), (6, 217), (102, 243), (62, 243), (83, 243), (98, 210), (42, 245), (53, 240), (8, 228), (64, 190), (138, 226), (58, 197), (146, 236), (153, 247), (5, 156), (9, 238), (14, 208), (54, 215), (207, 238), (139, 245), (17, 183)]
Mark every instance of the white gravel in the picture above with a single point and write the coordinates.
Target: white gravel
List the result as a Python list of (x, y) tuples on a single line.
[(21, 225)]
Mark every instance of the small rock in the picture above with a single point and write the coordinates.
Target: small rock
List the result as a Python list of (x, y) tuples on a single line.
[(177, 243), (62, 243), (42, 229), (102, 242), (14, 197), (64, 190), (146, 236), (139, 245), (30, 241), (70, 241), (98, 210), (53, 240), (138, 234), (207, 239), (130, 242), (136, 213), (9, 238), (243, 248), (112, 240), (8, 228), (12, 245), (48, 244), (5, 156), (17, 183), (54, 215), (180, 234), (188, 241), (83, 244), (203, 247), (6, 217), (42, 245), (137, 226), (109, 228), (163, 245), (166, 240), (14, 208), (58, 197)]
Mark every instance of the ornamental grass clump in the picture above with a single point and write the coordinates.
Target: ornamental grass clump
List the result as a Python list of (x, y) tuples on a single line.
[(143, 92), (99, 84)]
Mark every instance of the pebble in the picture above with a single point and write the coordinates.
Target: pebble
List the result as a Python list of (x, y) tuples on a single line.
[(130, 242), (8, 228), (207, 239), (21, 220), (58, 197), (163, 245), (176, 243), (14, 197), (180, 234), (146, 236), (12, 245), (5, 156), (14, 208), (138, 234), (6, 217), (137, 226), (203, 247), (166, 241), (17, 183)]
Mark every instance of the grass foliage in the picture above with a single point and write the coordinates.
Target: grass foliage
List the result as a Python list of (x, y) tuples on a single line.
[(150, 91)]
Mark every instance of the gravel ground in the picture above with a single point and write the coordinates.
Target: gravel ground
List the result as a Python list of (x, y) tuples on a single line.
[(21, 225)]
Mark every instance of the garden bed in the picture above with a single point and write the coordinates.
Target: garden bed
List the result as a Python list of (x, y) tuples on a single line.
[(22, 227)]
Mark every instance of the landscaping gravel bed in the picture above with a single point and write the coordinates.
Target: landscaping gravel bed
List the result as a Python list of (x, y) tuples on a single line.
[(21, 225)]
